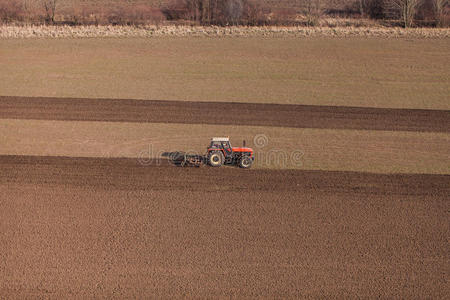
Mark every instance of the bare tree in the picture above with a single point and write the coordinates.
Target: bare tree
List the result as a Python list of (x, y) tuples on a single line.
[(217, 12), (221, 12), (313, 10), (440, 7), (10, 10), (50, 9), (403, 9), (362, 7), (233, 11)]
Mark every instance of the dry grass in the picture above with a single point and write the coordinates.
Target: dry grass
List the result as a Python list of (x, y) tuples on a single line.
[(367, 72), (330, 28), (309, 149)]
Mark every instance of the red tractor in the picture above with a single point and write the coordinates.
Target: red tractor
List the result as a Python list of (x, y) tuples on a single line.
[(221, 153)]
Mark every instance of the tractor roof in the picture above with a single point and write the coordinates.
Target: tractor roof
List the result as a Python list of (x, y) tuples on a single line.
[(220, 139)]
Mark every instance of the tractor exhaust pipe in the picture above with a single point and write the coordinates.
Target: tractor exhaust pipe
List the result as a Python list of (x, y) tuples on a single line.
[(243, 143)]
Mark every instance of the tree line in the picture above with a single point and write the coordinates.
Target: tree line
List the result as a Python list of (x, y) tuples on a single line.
[(406, 13)]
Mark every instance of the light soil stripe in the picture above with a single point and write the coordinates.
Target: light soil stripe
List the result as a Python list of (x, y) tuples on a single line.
[(309, 149)]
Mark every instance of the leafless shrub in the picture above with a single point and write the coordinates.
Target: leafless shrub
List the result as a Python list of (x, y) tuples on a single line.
[(283, 17), (347, 22)]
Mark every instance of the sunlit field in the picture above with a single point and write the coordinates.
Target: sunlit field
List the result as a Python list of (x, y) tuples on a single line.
[(369, 72)]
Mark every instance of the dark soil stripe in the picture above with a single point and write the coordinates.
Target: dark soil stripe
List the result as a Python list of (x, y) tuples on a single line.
[(131, 174), (225, 113)]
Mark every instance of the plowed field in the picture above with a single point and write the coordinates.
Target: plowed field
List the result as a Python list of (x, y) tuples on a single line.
[(248, 114), (79, 227)]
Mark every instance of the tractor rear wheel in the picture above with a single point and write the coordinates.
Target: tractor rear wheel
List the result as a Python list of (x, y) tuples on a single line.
[(216, 159), (245, 162)]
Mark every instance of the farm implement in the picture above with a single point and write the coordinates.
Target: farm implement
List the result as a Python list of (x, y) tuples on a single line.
[(219, 153)]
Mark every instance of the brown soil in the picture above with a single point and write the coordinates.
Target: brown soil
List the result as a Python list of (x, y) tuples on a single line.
[(80, 227), (250, 114), (135, 174)]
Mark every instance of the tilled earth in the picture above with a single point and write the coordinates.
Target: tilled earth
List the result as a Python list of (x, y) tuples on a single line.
[(115, 228), (87, 227), (248, 114)]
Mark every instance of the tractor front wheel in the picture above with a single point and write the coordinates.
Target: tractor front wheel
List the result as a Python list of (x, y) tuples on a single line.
[(245, 162), (216, 159)]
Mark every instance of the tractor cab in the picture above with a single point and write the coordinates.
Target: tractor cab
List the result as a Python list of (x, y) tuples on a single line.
[(221, 152), (221, 144)]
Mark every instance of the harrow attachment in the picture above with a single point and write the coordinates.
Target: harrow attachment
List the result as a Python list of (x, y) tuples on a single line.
[(218, 153), (184, 159)]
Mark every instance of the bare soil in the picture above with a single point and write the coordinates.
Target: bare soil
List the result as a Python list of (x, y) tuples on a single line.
[(275, 147), (361, 72), (79, 227), (249, 114), (74, 227)]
